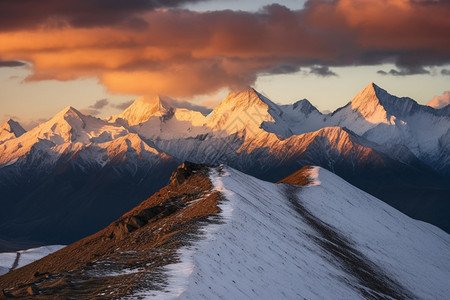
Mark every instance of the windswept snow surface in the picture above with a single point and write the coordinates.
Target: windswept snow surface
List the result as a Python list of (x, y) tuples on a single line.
[(269, 248), (14, 260)]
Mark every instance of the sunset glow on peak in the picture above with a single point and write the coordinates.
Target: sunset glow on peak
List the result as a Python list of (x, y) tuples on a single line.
[(184, 51)]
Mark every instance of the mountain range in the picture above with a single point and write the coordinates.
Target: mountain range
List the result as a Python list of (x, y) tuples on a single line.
[(74, 174), (217, 233)]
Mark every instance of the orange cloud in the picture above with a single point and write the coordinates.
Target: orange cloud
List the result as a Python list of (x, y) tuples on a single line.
[(440, 101), (183, 53)]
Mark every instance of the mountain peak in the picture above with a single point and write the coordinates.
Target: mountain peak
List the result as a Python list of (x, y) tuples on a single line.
[(144, 108), (374, 96), (10, 130), (243, 100), (69, 111), (305, 106), (244, 110), (13, 127), (369, 103)]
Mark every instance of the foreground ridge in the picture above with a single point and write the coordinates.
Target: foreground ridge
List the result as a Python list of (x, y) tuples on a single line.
[(215, 232)]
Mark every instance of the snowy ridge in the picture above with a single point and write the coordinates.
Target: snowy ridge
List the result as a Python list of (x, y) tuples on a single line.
[(269, 248), (180, 123), (388, 120), (247, 121), (401, 143), (413, 252), (67, 131), (247, 117)]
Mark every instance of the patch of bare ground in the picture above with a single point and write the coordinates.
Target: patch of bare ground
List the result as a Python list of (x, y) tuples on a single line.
[(300, 177), (127, 256)]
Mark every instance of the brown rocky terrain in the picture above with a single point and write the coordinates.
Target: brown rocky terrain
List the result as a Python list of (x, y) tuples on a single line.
[(127, 256), (299, 177)]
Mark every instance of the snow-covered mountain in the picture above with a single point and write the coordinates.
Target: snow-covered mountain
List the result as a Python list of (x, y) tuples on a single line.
[(155, 118), (142, 109), (390, 147), (219, 233), (393, 125), (67, 131), (391, 121), (253, 134), (10, 130), (69, 176)]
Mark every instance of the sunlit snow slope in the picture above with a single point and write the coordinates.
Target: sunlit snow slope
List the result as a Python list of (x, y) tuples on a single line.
[(327, 240)]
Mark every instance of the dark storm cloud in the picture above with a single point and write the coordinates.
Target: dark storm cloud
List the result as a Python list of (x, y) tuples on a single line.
[(445, 72), (323, 71), (17, 14), (11, 63)]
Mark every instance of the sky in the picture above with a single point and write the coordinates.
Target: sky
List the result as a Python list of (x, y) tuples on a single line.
[(99, 55)]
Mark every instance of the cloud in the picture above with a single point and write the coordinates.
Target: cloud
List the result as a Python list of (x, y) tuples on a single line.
[(440, 101), (188, 105), (182, 53), (322, 71), (79, 13), (99, 104), (95, 109), (445, 72), (284, 69), (11, 63), (123, 105), (90, 111), (405, 71)]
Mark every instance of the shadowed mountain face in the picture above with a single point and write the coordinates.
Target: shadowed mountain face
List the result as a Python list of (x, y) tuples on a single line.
[(216, 232), (74, 197), (73, 174)]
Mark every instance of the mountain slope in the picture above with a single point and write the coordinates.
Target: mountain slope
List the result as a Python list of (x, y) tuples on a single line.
[(142, 109), (391, 121), (399, 178), (155, 118), (74, 165), (67, 131), (391, 147), (79, 192), (10, 130), (218, 233)]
